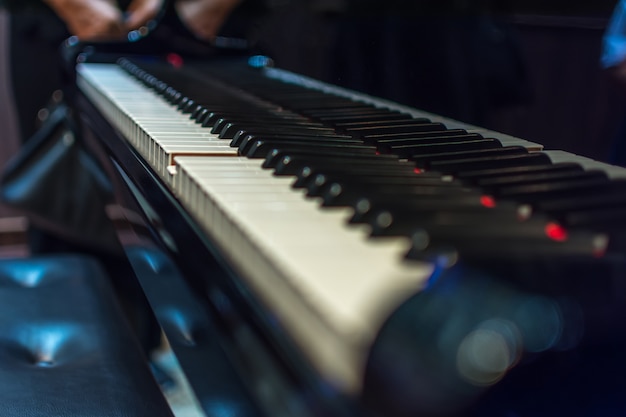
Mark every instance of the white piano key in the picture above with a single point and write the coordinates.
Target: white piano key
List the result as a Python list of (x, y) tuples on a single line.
[(154, 127), (163, 153), (288, 249)]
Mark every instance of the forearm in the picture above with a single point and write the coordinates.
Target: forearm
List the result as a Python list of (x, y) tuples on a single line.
[(205, 17), (90, 19)]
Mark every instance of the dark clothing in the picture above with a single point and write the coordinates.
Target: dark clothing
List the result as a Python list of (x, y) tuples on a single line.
[(416, 7), (37, 5), (35, 64), (36, 36)]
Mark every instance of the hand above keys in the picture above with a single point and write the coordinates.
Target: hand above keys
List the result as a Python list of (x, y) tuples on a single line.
[(205, 17), (103, 20), (90, 19), (140, 12)]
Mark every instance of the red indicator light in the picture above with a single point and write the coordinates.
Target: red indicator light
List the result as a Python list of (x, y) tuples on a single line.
[(175, 60), (487, 201), (418, 170), (556, 232)]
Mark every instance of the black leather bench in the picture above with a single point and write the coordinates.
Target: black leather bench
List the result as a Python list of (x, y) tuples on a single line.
[(65, 347)]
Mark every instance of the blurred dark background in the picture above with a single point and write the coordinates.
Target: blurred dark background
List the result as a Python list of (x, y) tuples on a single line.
[(574, 106)]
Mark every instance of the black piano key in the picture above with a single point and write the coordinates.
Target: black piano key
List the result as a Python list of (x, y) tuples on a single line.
[(473, 248), (209, 110), (290, 162), (260, 119), (413, 135), (152, 83), (355, 169), (251, 141), (161, 87), (586, 188), (228, 130), (260, 149), (496, 184), (187, 105), (313, 109), (411, 151), (269, 130), (182, 103), (323, 113), (199, 110), (194, 110), (342, 193), (394, 179), (457, 229), (423, 138), (309, 96), (358, 126), (201, 115), (405, 128), (429, 159), (610, 221), (457, 166), (212, 117), (319, 184), (483, 174), (367, 207), (558, 205), (347, 120), (404, 221), (174, 97), (316, 98), (606, 219), (244, 139)]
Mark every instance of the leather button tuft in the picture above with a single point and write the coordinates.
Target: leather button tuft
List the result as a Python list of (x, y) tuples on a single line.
[(181, 325), (16, 273), (51, 343)]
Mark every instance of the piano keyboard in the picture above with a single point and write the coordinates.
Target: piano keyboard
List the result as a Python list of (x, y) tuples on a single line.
[(307, 252), (277, 238), (154, 128)]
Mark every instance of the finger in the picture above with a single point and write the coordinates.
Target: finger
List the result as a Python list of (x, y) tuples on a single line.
[(140, 12), (109, 33), (204, 18), (100, 23)]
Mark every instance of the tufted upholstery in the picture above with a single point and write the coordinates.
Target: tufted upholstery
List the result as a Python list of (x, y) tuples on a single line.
[(65, 347)]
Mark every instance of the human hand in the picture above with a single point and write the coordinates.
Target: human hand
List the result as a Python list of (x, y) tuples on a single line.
[(90, 19), (205, 17), (140, 12)]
